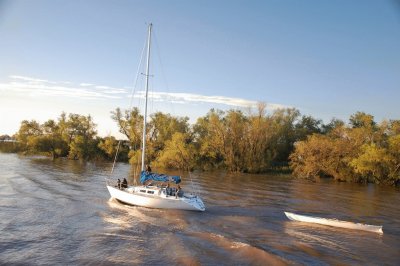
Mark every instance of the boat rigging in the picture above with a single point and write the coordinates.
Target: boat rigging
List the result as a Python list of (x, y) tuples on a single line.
[(154, 191)]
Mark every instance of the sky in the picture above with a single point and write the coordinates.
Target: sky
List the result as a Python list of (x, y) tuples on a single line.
[(328, 59)]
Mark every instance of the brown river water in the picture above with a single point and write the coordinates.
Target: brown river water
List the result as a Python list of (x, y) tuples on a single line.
[(60, 213)]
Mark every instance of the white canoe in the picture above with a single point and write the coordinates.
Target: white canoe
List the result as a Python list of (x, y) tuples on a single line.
[(334, 222)]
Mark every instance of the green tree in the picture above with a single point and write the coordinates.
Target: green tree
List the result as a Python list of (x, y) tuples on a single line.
[(332, 125), (161, 128), (52, 140), (284, 125), (373, 163), (361, 119), (178, 152), (80, 133), (209, 140), (130, 123), (323, 156), (363, 152), (259, 139), (394, 153), (307, 126), (109, 145), (27, 134), (236, 125)]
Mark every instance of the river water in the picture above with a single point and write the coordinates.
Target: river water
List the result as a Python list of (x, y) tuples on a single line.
[(60, 213)]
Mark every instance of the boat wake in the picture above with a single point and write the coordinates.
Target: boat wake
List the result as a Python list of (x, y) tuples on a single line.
[(242, 252)]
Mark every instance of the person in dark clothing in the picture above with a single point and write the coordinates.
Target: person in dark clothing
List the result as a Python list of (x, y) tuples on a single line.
[(177, 191), (119, 184), (124, 183), (148, 168)]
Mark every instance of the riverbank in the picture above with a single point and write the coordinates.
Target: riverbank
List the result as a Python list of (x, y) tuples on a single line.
[(284, 141)]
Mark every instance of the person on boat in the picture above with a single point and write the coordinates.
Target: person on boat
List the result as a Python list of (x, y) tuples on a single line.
[(124, 183), (168, 190), (148, 168), (177, 191), (119, 184)]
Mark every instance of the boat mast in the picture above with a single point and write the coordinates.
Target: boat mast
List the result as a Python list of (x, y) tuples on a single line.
[(145, 102)]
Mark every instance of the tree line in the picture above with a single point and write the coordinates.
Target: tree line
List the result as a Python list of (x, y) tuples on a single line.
[(73, 136), (362, 151), (251, 142)]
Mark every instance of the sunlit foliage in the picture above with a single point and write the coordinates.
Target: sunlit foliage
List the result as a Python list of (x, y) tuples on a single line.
[(363, 151), (178, 153), (255, 141), (72, 136)]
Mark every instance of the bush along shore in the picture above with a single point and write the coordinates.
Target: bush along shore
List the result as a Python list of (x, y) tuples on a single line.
[(254, 142)]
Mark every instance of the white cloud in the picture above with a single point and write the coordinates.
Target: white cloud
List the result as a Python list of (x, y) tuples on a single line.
[(30, 80), (86, 84), (189, 98), (102, 87), (35, 87), (116, 91)]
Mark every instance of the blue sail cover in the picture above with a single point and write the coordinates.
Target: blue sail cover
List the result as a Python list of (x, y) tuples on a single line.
[(146, 176)]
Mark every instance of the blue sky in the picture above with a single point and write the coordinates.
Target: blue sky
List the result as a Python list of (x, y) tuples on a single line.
[(326, 58)]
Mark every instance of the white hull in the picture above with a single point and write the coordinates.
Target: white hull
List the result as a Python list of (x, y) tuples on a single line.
[(158, 200), (334, 222)]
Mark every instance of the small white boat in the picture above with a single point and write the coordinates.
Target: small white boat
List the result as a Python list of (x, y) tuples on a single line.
[(334, 222)]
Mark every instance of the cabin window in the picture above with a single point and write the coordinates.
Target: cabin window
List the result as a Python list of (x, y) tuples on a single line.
[(150, 192), (144, 191)]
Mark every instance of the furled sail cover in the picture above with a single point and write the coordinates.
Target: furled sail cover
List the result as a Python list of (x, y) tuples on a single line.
[(146, 176)]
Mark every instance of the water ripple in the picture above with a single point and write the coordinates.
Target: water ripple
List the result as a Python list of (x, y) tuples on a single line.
[(60, 213)]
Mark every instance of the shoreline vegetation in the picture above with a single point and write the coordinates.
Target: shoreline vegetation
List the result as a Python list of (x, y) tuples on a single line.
[(361, 151)]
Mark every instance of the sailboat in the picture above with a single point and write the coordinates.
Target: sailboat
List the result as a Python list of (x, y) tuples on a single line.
[(154, 191)]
